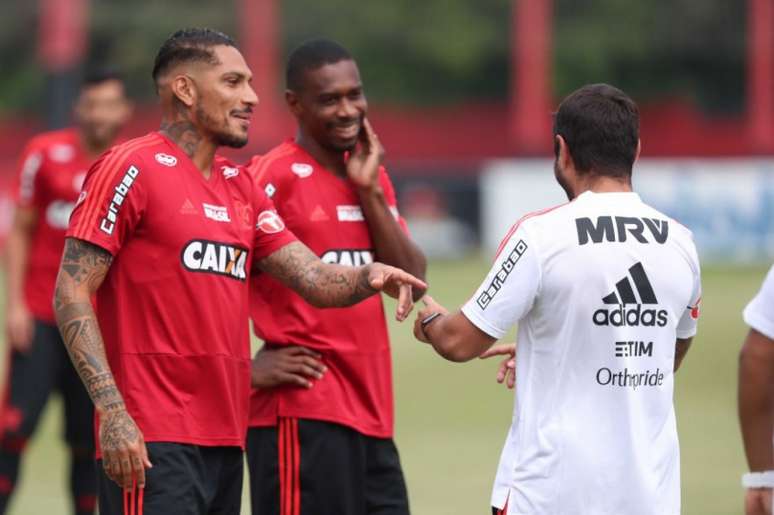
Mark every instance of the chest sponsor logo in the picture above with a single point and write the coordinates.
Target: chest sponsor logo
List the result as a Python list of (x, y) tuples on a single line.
[(629, 310), (108, 223), (270, 222), (498, 280), (166, 159), (303, 170), (350, 214), (634, 349), (58, 214), (217, 213), (629, 379), (61, 153), (621, 228), (229, 172), (270, 190), (348, 257), (213, 257)]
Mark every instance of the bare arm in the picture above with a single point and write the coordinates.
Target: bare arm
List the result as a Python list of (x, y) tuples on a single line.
[(452, 336), (327, 285), (756, 400), (83, 268), (18, 319), (681, 349), (392, 244)]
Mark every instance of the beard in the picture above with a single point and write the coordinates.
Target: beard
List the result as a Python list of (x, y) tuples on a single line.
[(221, 137), (562, 181)]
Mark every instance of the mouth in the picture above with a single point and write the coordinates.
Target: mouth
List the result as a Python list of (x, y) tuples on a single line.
[(242, 117), (347, 131)]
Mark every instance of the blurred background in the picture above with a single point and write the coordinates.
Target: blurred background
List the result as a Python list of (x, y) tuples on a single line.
[(461, 93)]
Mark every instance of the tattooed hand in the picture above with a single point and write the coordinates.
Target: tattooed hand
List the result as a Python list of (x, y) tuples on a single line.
[(124, 455), (84, 267), (326, 285)]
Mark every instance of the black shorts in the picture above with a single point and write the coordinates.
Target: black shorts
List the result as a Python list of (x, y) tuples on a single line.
[(310, 467), (32, 376), (185, 480)]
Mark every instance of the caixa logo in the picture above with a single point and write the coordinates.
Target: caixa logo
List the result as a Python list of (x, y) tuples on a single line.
[(213, 257), (348, 257)]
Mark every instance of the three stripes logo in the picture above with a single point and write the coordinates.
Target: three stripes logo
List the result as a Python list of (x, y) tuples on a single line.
[(630, 309)]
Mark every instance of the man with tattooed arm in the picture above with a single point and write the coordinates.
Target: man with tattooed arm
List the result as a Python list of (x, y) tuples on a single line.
[(166, 233)]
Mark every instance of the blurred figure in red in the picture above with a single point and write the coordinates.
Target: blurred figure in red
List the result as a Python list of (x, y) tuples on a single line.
[(52, 169)]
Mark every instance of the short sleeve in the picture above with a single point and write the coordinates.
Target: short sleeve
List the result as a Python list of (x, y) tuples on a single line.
[(111, 203), (27, 176), (686, 326), (509, 290), (271, 234), (390, 197), (759, 313)]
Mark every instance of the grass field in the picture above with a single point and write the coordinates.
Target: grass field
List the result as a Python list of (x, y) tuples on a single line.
[(452, 419)]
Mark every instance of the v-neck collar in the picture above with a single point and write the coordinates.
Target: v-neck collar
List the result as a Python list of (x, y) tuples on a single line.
[(183, 157)]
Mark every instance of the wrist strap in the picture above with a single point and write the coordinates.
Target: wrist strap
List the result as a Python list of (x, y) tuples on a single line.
[(426, 321), (763, 479)]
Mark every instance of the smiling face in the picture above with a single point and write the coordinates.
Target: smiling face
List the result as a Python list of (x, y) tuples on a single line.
[(331, 105), (225, 100)]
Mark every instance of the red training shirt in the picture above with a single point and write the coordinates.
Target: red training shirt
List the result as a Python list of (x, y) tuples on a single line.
[(51, 172), (173, 307), (323, 211)]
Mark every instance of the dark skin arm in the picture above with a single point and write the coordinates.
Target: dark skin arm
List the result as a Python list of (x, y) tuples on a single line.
[(681, 349), (18, 320), (392, 244), (328, 285), (452, 335), (83, 268), (756, 414)]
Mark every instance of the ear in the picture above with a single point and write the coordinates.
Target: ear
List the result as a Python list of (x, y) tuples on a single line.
[(639, 149), (293, 101), (184, 89), (564, 153)]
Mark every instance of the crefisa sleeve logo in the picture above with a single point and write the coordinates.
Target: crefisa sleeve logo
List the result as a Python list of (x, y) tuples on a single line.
[(108, 223), (270, 222), (214, 257)]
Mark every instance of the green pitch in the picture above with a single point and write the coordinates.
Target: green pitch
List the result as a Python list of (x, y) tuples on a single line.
[(452, 419)]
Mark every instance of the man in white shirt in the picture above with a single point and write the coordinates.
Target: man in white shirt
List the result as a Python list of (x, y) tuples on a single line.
[(756, 399), (605, 290)]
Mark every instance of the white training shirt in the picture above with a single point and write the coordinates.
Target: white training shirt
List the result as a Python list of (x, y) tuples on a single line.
[(601, 288), (759, 313)]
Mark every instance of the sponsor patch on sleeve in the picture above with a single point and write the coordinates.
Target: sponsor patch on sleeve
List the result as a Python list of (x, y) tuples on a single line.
[(498, 280), (270, 222)]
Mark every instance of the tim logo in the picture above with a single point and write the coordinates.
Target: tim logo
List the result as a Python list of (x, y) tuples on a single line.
[(108, 223), (636, 349), (488, 294), (619, 228), (629, 310), (348, 257), (213, 257)]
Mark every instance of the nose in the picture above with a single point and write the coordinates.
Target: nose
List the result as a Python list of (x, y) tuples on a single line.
[(251, 98), (347, 109)]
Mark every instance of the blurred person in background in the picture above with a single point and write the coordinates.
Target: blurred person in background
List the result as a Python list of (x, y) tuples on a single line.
[(605, 291), (756, 399), (53, 167), (321, 420)]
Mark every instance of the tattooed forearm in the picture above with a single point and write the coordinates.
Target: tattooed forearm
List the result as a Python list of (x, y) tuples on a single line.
[(84, 267), (322, 285)]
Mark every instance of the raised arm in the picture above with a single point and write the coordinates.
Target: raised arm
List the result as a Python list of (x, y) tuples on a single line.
[(392, 244), (328, 285), (18, 320), (83, 268)]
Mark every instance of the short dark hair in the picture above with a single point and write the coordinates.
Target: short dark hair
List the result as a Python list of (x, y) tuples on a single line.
[(95, 76), (189, 45), (311, 55), (601, 126)]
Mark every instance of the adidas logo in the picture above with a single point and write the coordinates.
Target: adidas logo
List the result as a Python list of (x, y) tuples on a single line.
[(318, 215), (188, 208), (624, 296)]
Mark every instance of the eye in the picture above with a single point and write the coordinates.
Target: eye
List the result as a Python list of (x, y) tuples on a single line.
[(328, 100)]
